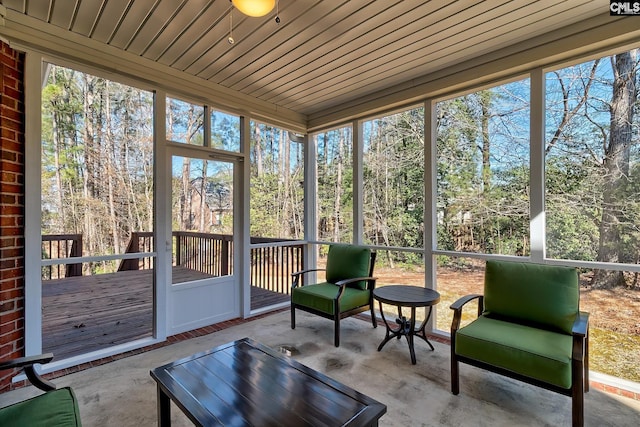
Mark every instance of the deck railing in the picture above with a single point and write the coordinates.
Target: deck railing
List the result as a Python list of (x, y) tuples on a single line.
[(272, 265), (207, 253), (272, 262), (61, 246)]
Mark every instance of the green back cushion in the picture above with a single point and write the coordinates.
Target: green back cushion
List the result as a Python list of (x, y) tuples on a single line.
[(538, 294), (53, 408), (348, 262)]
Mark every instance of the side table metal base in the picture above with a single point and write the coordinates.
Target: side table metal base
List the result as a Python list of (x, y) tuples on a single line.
[(407, 328)]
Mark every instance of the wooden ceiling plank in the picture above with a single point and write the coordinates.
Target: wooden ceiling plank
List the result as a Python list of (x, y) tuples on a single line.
[(316, 26), (403, 31), (375, 80), (37, 9), (63, 15), (200, 31), (596, 35), (324, 54), (17, 5), (178, 26), (153, 27), (326, 34), (247, 32), (392, 56), (85, 15), (211, 44), (354, 56), (132, 23), (111, 20)]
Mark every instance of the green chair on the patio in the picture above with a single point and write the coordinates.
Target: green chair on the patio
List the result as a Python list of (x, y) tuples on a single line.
[(529, 327), (56, 407), (348, 289)]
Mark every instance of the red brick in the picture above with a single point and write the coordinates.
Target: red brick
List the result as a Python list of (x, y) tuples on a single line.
[(12, 315), (12, 188), (12, 167), (11, 91), (6, 327), (13, 148), (11, 231), (13, 293), (8, 199), (7, 306), (8, 221), (8, 134), (6, 176), (12, 124), (8, 60), (7, 242), (12, 336), (11, 253), (12, 210)]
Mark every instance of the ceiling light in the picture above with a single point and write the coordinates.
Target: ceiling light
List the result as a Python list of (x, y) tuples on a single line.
[(254, 7)]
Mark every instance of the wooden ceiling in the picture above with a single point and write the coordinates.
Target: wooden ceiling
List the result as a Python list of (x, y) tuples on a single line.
[(322, 55)]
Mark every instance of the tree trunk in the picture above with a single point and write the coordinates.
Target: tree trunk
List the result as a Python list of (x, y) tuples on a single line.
[(203, 199), (616, 169), (485, 103), (257, 147), (111, 172), (338, 188), (185, 204)]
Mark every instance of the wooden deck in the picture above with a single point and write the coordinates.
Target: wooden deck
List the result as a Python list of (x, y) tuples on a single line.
[(87, 313)]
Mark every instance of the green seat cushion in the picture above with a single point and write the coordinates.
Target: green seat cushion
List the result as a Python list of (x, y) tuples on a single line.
[(544, 295), (536, 353), (321, 296), (348, 262), (54, 408)]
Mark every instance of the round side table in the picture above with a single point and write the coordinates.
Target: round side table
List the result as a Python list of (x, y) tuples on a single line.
[(406, 296)]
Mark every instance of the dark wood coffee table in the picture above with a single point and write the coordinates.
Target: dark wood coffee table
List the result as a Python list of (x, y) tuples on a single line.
[(406, 296), (244, 383)]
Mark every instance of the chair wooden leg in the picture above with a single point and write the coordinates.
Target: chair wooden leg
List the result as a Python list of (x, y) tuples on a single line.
[(455, 370), (577, 391), (336, 337), (577, 406), (293, 317), (374, 320), (455, 380), (586, 364)]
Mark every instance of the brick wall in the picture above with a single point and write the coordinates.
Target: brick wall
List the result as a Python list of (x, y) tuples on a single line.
[(11, 208)]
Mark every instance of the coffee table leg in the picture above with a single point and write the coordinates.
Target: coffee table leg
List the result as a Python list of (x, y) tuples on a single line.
[(164, 409)]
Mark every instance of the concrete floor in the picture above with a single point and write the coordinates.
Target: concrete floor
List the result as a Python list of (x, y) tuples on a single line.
[(122, 393)]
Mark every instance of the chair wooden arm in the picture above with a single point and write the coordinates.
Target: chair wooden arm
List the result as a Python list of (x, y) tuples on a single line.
[(355, 279), (342, 284), (296, 276), (26, 363), (580, 350), (459, 305), (581, 325), (580, 333)]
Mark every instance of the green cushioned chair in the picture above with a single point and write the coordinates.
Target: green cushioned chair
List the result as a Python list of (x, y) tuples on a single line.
[(56, 407), (529, 327), (347, 291)]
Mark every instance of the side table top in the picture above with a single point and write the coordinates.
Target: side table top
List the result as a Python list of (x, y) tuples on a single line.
[(406, 296)]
